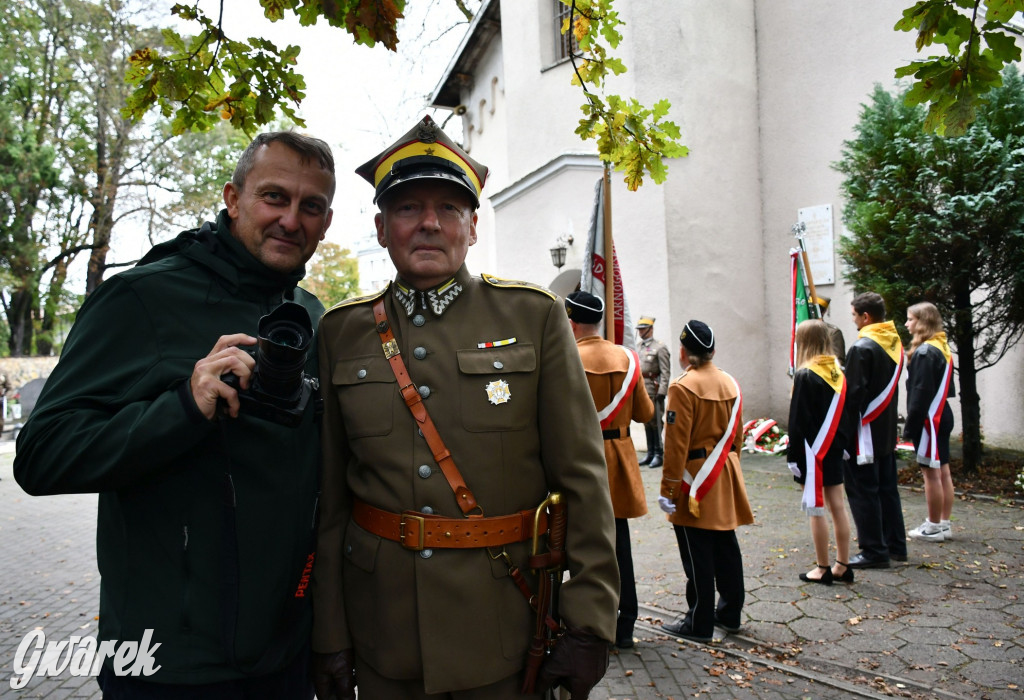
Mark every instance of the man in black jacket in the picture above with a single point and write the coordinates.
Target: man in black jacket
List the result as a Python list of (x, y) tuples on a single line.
[(206, 509), (873, 367)]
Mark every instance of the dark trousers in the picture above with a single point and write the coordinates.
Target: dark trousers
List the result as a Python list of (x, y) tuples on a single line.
[(653, 427), (373, 686), (628, 606), (712, 561), (872, 490), (290, 683)]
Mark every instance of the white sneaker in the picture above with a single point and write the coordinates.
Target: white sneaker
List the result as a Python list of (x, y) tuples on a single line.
[(947, 530), (927, 531)]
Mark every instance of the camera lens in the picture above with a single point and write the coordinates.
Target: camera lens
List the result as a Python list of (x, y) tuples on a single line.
[(284, 336)]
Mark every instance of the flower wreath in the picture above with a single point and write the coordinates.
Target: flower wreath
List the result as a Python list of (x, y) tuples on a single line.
[(764, 435)]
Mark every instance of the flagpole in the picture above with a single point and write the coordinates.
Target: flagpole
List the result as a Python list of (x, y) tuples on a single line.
[(609, 258), (813, 310)]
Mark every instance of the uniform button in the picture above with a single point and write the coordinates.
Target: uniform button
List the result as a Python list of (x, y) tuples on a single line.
[(424, 391), (498, 365), (418, 320), (361, 374), (348, 549), (419, 353), (419, 432), (425, 471), (427, 553), (427, 509)]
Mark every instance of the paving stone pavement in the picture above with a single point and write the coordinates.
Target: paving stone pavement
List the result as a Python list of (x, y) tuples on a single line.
[(947, 624)]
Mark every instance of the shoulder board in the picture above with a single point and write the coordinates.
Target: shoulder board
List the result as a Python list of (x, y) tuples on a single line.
[(502, 283), (359, 300)]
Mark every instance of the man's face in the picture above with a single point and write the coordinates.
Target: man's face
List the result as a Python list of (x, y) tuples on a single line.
[(645, 331), (284, 209), (860, 320), (427, 227)]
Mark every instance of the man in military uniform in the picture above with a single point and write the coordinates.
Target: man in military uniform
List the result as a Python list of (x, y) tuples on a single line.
[(655, 363), (426, 521), (612, 372)]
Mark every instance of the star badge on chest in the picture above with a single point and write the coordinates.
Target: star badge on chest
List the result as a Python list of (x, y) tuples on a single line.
[(498, 393)]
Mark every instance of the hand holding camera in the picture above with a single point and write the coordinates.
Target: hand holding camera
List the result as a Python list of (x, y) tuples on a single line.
[(208, 391)]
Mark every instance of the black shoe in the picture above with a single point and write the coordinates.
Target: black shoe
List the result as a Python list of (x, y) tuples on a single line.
[(826, 576), (657, 461), (847, 575), (647, 459), (731, 629), (681, 629), (901, 558), (624, 643), (860, 561)]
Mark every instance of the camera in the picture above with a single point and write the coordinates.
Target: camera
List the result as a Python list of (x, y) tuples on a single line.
[(279, 389)]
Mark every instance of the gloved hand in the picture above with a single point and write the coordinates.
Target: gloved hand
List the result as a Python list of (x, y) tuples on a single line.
[(666, 505), (578, 661), (795, 468), (334, 675)]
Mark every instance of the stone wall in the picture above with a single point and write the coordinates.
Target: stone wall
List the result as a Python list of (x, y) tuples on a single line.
[(20, 370)]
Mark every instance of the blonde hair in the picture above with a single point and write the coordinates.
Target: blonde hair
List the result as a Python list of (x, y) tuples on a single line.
[(929, 322), (811, 340)]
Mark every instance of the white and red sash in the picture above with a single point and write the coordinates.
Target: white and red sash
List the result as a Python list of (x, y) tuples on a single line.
[(813, 500), (607, 414), (928, 447), (885, 335), (698, 486)]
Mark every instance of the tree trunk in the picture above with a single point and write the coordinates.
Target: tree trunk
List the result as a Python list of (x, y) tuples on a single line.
[(19, 320), (970, 401), (51, 309)]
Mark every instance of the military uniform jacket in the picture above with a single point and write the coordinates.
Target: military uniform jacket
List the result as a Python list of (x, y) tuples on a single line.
[(696, 416), (453, 616), (868, 371), (606, 364), (656, 365)]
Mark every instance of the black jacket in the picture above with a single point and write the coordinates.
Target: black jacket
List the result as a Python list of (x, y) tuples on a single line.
[(868, 370), (115, 418)]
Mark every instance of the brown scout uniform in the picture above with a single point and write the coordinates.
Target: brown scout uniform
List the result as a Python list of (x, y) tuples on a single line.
[(504, 385), (606, 365), (699, 404)]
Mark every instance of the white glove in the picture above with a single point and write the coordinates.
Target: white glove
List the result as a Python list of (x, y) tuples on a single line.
[(793, 467), (666, 505)]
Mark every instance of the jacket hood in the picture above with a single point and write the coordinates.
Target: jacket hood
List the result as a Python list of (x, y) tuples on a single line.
[(213, 247)]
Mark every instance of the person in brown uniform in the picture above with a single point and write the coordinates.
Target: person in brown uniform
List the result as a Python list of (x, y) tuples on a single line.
[(412, 592), (702, 487), (656, 365), (613, 373)]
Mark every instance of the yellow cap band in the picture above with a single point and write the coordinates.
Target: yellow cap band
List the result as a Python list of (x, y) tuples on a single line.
[(418, 148)]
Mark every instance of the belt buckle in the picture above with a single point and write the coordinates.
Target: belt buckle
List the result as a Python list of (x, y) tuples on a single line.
[(418, 547)]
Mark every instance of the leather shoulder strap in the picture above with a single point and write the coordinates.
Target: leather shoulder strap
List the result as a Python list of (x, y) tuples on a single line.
[(411, 395)]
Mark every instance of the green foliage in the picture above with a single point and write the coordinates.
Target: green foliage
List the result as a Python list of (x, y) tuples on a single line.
[(941, 219), (208, 77), (953, 85), (333, 274), (633, 138)]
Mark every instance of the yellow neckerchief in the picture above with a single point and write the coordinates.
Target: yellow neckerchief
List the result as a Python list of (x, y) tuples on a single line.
[(826, 367), (885, 335), (939, 341)]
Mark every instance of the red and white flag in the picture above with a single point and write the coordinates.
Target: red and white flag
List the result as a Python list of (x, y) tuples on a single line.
[(594, 269)]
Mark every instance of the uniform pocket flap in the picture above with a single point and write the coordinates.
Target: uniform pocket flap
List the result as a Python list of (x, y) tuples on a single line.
[(514, 358), (361, 370), (361, 547)]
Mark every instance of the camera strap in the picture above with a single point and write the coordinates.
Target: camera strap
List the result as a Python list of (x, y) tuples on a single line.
[(411, 395)]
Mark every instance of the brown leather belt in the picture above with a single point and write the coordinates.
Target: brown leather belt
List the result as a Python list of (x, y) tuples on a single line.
[(651, 375), (417, 531)]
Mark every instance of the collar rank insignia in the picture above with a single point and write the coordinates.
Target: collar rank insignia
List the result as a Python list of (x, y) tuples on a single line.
[(497, 392)]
